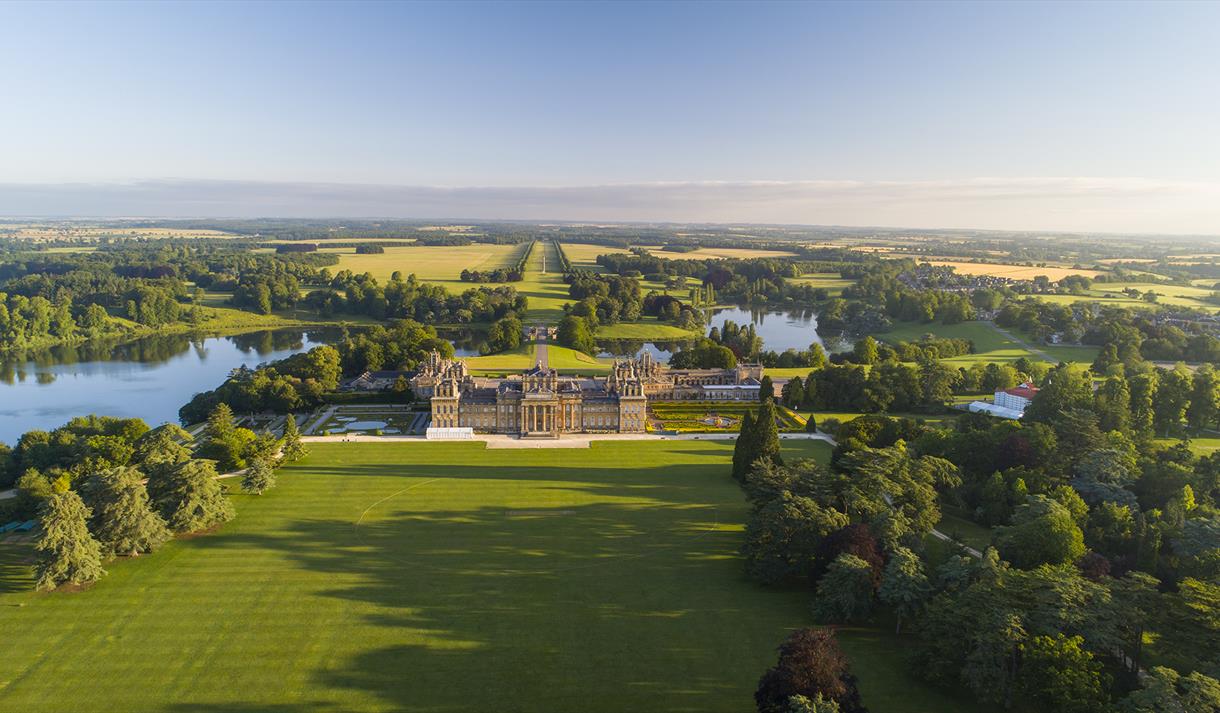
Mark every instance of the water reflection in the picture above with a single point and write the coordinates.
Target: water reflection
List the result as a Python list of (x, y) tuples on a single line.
[(795, 329), (150, 378)]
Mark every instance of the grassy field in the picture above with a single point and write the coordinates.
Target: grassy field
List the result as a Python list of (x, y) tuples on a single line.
[(831, 281), (441, 265), (583, 256), (567, 361), (989, 343), (647, 329), (440, 577), (1111, 293), (547, 292)]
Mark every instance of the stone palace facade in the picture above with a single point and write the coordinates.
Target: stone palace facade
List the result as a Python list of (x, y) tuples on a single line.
[(542, 403)]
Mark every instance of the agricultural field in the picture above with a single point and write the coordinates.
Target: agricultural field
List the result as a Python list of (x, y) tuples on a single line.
[(583, 256), (1015, 272), (436, 264), (832, 282), (717, 417), (436, 577), (42, 232), (717, 253), (1111, 293)]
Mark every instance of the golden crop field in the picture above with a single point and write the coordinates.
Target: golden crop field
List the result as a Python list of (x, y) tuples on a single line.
[(44, 231), (1015, 272), (437, 264), (718, 253)]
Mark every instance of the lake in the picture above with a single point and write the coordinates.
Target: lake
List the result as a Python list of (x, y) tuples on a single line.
[(779, 330), (150, 379)]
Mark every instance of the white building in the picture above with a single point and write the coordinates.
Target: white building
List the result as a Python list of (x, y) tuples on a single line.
[(1016, 398)]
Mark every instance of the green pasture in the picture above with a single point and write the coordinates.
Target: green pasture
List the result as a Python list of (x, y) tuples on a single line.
[(831, 281), (1111, 293), (647, 329), (568, 361), (441, 577), (990, 344)]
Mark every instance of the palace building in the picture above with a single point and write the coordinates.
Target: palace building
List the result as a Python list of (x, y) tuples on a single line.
[(542, 403)]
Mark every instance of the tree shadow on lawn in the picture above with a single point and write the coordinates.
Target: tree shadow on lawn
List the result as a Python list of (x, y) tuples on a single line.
[(633, 604), (15, 573)]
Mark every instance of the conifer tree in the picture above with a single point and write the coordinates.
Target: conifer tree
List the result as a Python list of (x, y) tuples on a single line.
[(123, 521), (258, 478), (68, 554), (191, 498), (766, 389), (743, 449), (811, 424), (293, 449), (766, 439)]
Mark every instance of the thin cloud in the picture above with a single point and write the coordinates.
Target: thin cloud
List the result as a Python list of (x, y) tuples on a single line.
[(1066, 203)]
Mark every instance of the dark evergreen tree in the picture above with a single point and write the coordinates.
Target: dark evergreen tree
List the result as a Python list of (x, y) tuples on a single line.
[(123, 521), (766, 442), (293, 449), (259, 477), (192, 498), (744, 447), (766, 390), (67, 553)]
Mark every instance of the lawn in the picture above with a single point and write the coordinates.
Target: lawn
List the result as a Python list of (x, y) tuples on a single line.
[(583, 256), (832, 282), (647, 329), (990, 344), (566, 360), (440, 577), (547, 292)]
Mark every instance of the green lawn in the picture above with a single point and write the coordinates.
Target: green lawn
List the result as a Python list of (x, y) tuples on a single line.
[(439, 577), (547, 292), (567, 361), (990, 345), (648, 329)]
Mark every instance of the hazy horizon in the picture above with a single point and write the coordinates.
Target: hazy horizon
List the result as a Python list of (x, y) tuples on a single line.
[(1093, 117)]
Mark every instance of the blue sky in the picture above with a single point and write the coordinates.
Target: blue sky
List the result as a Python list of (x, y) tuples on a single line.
[(1078, 116)]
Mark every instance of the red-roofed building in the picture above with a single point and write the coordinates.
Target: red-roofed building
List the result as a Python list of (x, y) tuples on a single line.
[(1016, 398)]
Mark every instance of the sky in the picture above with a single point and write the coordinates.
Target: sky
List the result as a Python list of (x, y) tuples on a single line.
[(1040, 116)]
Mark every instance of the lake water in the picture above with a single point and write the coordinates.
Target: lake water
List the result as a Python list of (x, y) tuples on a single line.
[(779, 330), (149, 379)]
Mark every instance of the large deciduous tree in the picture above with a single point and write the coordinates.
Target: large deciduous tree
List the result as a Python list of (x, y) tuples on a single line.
[(904, 585), (811, 664)]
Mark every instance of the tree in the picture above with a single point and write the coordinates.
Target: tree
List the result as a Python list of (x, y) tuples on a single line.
[(123, 521), (811, 664), (783, 535), (904, 585), (865, 351), (744, 447), (766, 441), (67, 553), (1204, 397), (845, 594), (817, 704), (1065, 388), (1043, 532), (811, 424), (766, 389), (293, 449), (1172, 398), (190, 498), (794, 392), (1112, 402), (259, 477), (574, 333), (220, 425), (1058, 674), (1143, 390), (1167, 691)]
